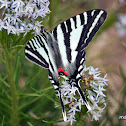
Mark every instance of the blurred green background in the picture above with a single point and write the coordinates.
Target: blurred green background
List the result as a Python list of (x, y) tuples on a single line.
[(35, 95)]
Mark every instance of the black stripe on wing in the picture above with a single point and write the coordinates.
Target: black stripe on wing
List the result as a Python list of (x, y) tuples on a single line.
[(79, 66), (91, 28), (55, 82), (36, 52), (35, 57)]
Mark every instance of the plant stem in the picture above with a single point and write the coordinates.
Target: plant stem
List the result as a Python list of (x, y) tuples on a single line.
[(14, 94), (53, 8)]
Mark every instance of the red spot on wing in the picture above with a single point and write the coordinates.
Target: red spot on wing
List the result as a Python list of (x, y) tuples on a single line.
[(66, 73), (60, 70)]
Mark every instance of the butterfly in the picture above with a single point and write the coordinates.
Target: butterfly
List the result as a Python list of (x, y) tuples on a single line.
[(62, 51)]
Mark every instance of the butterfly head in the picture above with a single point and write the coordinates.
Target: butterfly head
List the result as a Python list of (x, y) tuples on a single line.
[(42, 29), (63, 73)]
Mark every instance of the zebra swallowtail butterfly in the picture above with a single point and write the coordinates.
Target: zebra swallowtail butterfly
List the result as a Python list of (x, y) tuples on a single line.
[(62, 51)]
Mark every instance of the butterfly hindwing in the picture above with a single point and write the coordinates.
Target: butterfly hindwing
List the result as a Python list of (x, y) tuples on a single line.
[(80, 58)]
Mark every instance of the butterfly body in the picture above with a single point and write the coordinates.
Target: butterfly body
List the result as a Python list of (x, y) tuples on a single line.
[(62, 51)]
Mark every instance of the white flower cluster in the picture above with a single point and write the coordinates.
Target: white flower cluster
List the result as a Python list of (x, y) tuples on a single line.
[(94, 92), (68, 94), (92, 85), (19, 16)]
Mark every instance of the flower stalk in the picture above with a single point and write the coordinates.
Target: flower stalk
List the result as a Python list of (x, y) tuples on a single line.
[(13, 92)]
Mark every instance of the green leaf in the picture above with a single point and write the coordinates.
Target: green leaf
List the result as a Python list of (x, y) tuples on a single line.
[(53, 121), (103, 122), (2, 124), (4, 82), (29, 102), (29, 124)]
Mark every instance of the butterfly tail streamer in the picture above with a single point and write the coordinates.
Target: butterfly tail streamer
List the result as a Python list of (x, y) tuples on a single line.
[(63, 107), (79, 67), (83, 97), (62, 104)]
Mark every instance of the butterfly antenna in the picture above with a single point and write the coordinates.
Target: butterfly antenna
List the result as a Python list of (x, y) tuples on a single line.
[(54, 24)]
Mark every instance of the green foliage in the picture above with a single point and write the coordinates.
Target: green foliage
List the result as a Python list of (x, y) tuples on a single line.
[(25, 91)]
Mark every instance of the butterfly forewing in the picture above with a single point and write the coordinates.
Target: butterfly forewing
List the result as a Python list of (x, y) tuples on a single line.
[(79, 30), (36, 51)]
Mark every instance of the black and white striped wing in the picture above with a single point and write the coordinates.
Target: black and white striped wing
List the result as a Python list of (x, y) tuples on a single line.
[(64, 48), (78, 31), (36, 51)]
